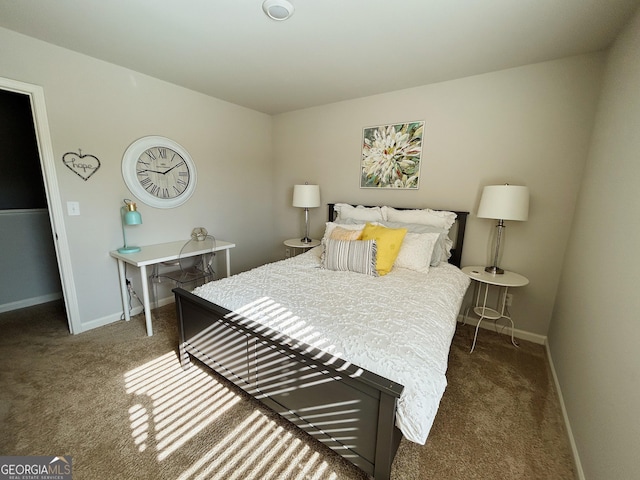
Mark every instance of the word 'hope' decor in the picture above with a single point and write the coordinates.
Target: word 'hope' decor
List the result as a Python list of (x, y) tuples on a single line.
[(82, 165)]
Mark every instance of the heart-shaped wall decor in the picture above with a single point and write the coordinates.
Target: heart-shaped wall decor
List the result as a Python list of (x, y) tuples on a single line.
[(82, 165)]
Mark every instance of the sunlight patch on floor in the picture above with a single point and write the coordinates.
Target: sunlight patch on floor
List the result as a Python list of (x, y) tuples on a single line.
[(172, 406), (257, 448)]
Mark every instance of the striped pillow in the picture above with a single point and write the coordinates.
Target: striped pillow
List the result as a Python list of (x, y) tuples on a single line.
[(353, 256)]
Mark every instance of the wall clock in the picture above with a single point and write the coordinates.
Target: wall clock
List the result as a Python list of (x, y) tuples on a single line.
[(159, 172)]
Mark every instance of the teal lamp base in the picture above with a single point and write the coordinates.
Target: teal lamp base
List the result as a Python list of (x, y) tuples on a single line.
[(128, 249)]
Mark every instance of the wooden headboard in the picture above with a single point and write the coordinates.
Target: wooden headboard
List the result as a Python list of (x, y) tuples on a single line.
[(456, 233)]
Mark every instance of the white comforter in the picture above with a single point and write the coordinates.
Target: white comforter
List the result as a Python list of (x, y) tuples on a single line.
[(398, 326)]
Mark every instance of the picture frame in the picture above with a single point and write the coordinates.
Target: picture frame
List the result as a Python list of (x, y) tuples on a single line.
[(391, 156)]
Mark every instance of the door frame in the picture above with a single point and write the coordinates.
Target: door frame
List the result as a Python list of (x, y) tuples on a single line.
[(54, 202)]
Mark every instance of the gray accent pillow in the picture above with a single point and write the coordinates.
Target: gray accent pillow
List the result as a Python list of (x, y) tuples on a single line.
[(350, 255)]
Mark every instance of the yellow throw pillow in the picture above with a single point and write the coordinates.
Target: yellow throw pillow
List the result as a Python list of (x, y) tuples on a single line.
[(388, 240), (340, 233)]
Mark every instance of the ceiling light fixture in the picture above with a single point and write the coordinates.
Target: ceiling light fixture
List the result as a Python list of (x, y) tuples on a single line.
[(278, 9)]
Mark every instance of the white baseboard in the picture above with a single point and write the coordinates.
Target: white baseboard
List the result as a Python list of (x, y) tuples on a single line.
[(489, 325), (30, 302), (116, 317), (572, 442)]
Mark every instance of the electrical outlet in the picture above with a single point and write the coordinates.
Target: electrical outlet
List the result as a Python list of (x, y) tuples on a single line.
[(509, 299)]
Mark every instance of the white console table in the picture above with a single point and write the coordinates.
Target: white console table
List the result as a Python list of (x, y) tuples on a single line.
[(152, 255)]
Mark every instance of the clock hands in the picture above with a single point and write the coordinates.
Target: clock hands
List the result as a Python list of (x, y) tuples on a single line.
[(152, 171), (162, 173), (176, 165)]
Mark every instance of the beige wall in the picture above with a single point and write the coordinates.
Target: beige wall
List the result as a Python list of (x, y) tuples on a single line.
[(528, 126), (101, 108), (595, 332)]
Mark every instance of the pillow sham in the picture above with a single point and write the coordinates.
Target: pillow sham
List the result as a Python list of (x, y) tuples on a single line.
[(426, 216), (388, 240), (416, 251), (365, 214), (352, 221), (350, 255), (441, 250)]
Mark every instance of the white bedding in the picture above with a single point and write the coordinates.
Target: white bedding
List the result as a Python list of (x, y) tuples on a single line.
[(398, 326)]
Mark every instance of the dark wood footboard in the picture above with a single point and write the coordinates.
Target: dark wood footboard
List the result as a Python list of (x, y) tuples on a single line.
[(349, 409)]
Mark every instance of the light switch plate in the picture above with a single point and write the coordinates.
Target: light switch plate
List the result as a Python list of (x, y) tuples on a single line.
[(73, 208)]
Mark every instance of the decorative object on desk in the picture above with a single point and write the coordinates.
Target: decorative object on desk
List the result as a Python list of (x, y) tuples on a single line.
[(391, 156), (278, 10), (503, 202), (306, 196), (129, 215), (159, 172), (82, 165), (199, 233)]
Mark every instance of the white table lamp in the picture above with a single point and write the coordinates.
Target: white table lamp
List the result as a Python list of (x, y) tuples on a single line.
[(306, 196), (503, 202)]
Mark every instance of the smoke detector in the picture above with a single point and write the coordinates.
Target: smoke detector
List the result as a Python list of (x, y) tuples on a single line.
[(278, 9)]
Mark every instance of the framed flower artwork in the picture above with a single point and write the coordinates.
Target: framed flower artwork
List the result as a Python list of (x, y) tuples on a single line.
[(391, 156)]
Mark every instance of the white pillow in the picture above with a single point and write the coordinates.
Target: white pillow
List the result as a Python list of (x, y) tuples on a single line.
[(350, 255), (426, 216), (416, 251), (441, 251), (365, 214)]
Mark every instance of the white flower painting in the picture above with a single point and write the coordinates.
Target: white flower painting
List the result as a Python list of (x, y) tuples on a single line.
[(391, 156)]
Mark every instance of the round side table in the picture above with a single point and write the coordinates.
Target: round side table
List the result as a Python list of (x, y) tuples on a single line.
[(485, 279), (296, 243)]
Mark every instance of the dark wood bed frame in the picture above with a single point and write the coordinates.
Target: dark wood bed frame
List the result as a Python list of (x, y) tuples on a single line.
[(348, 408)]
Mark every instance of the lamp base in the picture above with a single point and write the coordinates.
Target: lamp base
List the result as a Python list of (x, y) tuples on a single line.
[(129, 249), (494, 270), (306, 240)]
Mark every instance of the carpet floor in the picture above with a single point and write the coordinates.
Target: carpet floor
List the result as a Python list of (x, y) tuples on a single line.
[(119, 404)]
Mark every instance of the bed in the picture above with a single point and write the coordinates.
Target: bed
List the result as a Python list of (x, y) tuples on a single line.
[(319, 347)]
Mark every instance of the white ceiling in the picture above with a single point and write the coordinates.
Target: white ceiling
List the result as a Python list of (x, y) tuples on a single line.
[(328, 51)]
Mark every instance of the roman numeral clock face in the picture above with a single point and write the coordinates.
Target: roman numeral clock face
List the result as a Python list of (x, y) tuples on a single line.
[(159, 172), (162, 172)]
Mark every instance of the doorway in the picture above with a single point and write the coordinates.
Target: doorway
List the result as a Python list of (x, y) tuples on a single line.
[(52, 194)]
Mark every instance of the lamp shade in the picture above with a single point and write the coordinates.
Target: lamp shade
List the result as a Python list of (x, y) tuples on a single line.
[(306, 196), (132, 216), (504, 202)]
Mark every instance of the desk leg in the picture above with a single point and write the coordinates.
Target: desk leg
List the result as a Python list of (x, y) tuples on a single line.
[(123, 290), (145, 299), (228, 259)]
